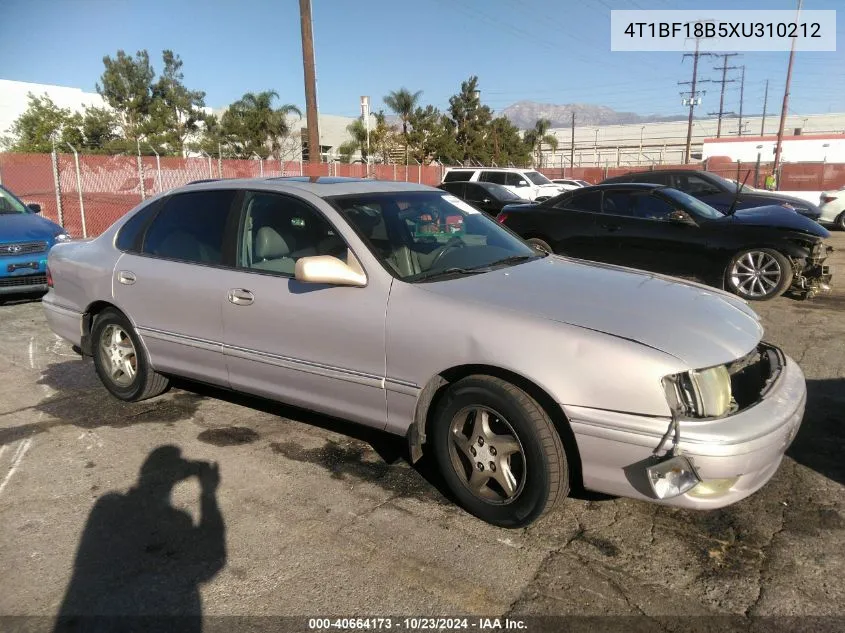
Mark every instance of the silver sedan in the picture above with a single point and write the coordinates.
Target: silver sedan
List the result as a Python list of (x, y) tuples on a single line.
[(400, 307)]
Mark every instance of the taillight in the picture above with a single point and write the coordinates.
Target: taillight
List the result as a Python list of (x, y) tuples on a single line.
[(826, 199), (49, 278), (501, 217)]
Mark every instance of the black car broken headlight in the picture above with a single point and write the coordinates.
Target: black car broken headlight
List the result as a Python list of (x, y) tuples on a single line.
[(700, 393)]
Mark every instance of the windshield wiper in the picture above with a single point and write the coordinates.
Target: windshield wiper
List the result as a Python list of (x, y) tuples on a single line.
[(514, 259), (453, 271)]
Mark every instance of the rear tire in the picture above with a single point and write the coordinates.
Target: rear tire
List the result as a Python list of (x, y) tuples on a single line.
[(499, 451), (541, 244), (758, 274), (121, 361), (840, 221)]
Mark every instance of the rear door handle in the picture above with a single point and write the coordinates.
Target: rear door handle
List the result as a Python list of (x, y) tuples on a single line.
[(610, 227), (126, 277), (240, 297)]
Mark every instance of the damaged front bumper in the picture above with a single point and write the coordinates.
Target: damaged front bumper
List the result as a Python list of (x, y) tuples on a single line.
[(733, 456), (811, 276)]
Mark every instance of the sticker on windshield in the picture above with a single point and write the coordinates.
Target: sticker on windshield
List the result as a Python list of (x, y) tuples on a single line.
[(463, 206)]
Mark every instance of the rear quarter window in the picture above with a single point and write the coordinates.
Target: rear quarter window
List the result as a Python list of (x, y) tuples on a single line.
[(131, 234), (457, 176)]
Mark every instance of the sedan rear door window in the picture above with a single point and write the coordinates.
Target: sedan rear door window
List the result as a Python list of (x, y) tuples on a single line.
[(190, 227), (589, 201)]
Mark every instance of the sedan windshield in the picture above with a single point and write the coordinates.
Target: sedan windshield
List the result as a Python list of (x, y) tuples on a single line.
[(9, 204), (502, 193), (691, 204), (537, 178), (421, 235)]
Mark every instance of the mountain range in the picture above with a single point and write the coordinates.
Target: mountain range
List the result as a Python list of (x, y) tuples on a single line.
[(524, 114)]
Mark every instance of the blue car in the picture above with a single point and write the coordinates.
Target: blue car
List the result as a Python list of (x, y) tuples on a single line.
[(25, 240)]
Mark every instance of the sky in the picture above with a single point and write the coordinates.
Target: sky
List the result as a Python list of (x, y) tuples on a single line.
[(550, 51)]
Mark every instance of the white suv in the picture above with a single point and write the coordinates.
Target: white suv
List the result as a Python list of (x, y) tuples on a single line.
[(526, 183)]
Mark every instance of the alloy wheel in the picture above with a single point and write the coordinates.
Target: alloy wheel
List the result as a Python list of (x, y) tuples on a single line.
[(118, 355), (756, 274), (487, 454)]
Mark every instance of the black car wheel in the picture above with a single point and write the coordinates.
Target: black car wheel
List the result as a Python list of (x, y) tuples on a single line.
[(840, 221), (121, 361), (499, 452), (758, 274), (541, 244)]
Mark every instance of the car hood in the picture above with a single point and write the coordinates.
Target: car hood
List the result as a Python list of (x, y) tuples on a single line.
[(775, 216), (697, 324), (20, 227), (770, 197)]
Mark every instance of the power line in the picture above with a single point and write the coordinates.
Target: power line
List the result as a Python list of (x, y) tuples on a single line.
[(724, 68)]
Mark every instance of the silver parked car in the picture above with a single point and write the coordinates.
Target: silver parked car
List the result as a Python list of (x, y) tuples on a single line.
[(400, 307)]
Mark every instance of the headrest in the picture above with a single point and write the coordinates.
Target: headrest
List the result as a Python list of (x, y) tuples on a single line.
[(269, 244)]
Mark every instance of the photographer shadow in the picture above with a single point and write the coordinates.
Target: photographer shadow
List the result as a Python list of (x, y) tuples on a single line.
[(141, 561)]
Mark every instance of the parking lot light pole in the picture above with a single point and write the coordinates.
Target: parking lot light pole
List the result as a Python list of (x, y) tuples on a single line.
[(158, 166)]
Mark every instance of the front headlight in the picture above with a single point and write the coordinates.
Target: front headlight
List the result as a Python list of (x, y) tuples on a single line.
[(62, 237), (701, 393)]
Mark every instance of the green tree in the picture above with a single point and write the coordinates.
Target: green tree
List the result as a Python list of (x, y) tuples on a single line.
[(472, 121), (176, 111), (252, 125), (505, 144), (42, 120), (100, 132), (126, 85), (403, 102), (538, 136)]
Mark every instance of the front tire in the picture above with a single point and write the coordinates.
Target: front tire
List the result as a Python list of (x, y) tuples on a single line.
[(499, 451), (758, 274), (121, 361), (840, 221)]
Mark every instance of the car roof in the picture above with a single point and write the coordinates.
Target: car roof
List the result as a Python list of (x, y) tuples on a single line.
[(627, 185), (510, 169), (322, 186)]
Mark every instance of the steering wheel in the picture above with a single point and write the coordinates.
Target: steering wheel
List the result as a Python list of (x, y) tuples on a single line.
[(455, 242)]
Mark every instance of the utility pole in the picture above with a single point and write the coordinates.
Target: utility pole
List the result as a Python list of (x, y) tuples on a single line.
[(572, 144), (724, 68), (314, 154), (765, 103), (693, 99), (785, 107), (741, 98)]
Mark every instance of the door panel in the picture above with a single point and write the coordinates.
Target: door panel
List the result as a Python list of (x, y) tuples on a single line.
[(175, 307), (316, 346)]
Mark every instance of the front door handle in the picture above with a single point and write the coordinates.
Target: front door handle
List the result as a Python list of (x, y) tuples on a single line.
[(610, 227), (240, 297), (126, 277)]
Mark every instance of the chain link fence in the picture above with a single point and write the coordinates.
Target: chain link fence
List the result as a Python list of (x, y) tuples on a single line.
[(87, 193)]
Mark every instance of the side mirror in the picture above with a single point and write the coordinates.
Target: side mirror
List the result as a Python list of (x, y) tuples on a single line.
[(522, 183), (325, 269), (35, 208), (679, 216)]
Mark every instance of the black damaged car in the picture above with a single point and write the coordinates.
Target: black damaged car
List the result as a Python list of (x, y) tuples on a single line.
[(757, 253)]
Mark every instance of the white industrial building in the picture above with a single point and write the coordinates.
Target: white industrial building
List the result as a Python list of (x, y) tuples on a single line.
[(656, 143)]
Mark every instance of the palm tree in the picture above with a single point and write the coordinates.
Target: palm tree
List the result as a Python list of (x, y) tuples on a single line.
[(358, 141), (538, 136), (403, 102), (254, 126)]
